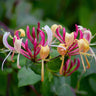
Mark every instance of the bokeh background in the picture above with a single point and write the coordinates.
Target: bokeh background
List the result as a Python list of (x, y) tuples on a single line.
[(15, 14)]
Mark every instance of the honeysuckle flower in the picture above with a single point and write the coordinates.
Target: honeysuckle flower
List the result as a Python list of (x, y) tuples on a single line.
[(68, 42), (17, 47), (83, 48), (17, 42), (49, 37), (44, 51), (86, 44)]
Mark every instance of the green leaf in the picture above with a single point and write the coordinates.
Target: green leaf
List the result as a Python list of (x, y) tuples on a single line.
[(92, 82), (65, 90), (54, 65), (27, 77), (62, 87)]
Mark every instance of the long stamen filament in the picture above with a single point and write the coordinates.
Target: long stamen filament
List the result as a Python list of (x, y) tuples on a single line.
[(86, 54), (88, 64), (83, 63), (42, 71), (5, 59), (61, 68)]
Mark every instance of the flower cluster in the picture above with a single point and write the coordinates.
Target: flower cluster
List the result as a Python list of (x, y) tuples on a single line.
[(70, 44)]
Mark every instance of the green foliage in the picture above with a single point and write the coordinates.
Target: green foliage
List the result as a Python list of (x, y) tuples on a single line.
[(27, 77)]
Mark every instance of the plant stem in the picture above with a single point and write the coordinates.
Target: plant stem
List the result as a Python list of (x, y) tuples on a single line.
[(33, 88), (8, 84)]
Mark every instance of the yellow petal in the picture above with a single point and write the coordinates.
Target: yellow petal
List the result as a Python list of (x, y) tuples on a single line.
[(69, 38), (44, 52), (22, 32), (83, 45)]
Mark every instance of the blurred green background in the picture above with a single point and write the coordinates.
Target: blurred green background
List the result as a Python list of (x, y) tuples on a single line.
[(19, 13)]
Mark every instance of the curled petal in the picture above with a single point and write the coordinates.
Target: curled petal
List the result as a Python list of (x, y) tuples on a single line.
[(80, 27), (49, 33), (58, 46), (5, 42), (5, 59)]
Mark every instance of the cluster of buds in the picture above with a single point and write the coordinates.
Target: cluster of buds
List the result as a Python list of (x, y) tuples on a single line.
[(69, 45)]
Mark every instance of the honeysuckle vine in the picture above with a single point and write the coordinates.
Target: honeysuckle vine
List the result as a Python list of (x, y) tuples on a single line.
[(68, 45)]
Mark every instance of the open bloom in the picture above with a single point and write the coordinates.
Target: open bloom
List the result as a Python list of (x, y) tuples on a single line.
[(67, 40), (88, 36), (73, 45), (16, 48)]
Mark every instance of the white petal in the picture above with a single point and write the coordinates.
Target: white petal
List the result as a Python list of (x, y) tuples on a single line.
[(5, 59), (49, 33), (6, 34), (80, 27), (92, 52), (17, 44), (92, 43), (58, 46)]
